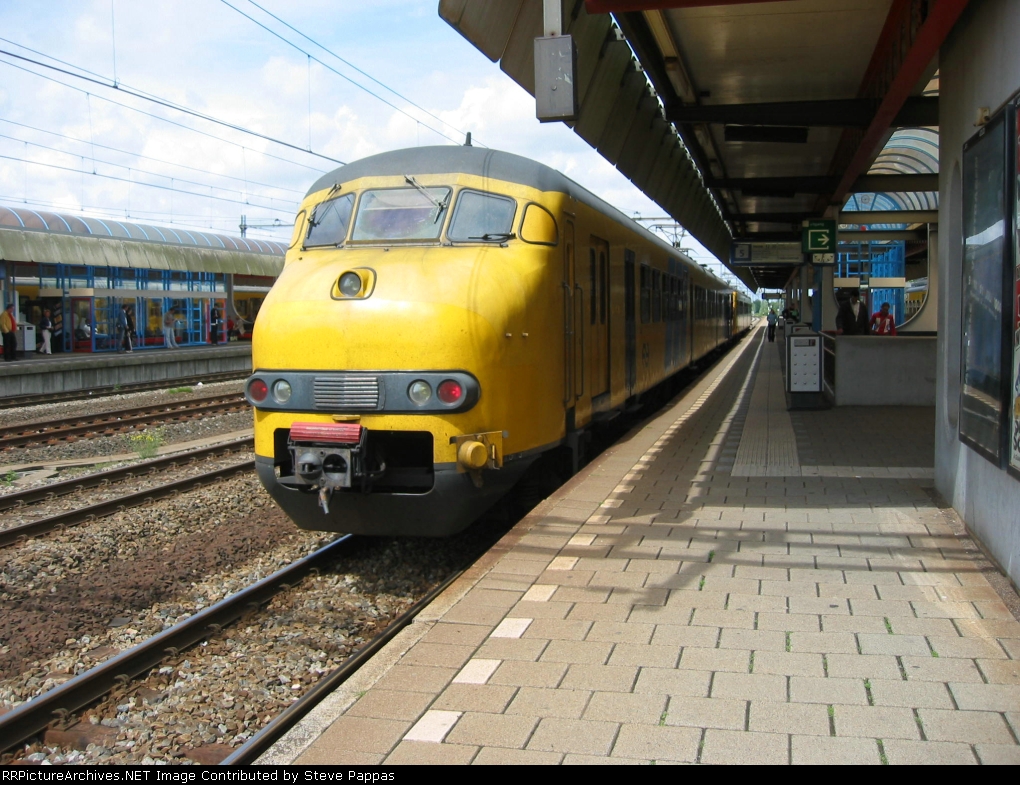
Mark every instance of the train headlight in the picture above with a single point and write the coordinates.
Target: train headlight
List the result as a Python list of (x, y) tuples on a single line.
[(420, 392), (281, 391), (350, 284), (257, 390), (450, 391)]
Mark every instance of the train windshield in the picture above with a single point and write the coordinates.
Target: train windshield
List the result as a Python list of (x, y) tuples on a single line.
[(415, 213), (329, 223), (482, 216)]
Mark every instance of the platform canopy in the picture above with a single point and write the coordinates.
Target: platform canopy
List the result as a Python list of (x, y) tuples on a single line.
[(740, 119), (52, 238)]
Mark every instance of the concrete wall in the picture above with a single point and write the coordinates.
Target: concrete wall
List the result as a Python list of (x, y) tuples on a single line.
[(980, 66), (873, 371), (85, 372)]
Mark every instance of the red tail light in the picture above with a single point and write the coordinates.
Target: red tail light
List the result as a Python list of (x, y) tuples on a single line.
[(333, 433), (450, 391), (258, 390)]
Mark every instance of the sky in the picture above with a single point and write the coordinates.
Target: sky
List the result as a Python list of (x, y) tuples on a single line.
[(82, 145)]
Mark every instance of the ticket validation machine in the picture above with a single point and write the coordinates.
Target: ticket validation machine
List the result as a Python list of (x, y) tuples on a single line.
[(804, 369)]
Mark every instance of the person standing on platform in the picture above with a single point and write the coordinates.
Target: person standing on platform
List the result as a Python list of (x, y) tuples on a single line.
[(123, 327), (130, 328), (852, 318), (9, 328), (772, 318), (46, 331), (169, 320), (214, 326), (883, 322)]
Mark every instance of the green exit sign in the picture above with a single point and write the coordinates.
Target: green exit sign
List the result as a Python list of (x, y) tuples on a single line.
[(819, 237)]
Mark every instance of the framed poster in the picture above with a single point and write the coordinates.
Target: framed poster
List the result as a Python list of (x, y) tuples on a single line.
[(985, 248), (1014, 397)]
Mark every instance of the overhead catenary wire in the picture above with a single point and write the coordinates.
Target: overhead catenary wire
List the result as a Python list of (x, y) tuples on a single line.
[(335, 71), (126, 90), (145, 171), (151, 158), (159, 217), (171, 189), (166, 120), (351, 65)]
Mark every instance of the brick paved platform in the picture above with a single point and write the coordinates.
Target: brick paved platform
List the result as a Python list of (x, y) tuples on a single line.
[(731, 583)]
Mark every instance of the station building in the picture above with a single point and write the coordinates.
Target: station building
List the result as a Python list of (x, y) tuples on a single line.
[(83, 270)]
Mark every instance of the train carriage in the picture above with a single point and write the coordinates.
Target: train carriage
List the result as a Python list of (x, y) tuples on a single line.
[(446, 316)]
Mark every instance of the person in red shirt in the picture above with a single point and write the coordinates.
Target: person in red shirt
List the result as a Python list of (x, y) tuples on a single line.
[(883, 322)]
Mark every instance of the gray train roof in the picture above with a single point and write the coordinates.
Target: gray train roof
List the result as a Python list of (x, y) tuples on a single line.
[(39, 236), (485, 162)]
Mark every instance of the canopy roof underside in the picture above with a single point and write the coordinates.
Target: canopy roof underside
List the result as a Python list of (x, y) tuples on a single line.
[(743, 119)]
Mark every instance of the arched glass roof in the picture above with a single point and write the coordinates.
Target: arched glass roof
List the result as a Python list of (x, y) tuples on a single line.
[(909, 151), (42, 221)]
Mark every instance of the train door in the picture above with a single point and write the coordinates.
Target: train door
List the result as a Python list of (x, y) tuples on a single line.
[(598, 315), (630, 326)]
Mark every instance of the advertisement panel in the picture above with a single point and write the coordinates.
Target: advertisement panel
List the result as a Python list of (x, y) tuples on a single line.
[(1014, 435), (986, 213)]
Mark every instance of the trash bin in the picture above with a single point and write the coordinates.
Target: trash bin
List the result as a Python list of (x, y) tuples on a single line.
[(26, 338)]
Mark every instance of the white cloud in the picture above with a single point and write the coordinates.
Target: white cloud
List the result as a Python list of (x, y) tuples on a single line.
[(205, 55)]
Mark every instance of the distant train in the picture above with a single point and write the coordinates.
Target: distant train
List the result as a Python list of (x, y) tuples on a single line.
[(445, 317)]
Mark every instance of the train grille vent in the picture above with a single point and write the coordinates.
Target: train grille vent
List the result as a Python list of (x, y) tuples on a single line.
[(346, 392)]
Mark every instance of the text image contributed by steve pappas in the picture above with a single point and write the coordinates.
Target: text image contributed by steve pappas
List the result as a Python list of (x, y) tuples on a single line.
[(151, 775)]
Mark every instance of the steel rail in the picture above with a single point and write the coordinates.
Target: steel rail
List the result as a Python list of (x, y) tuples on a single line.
[(32, 717), (102, 509), (18, 435), (262, 741), (75, 484), (15, 401)]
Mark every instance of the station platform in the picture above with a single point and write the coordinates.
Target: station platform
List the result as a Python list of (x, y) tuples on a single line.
[(730, 583), (33, 373)]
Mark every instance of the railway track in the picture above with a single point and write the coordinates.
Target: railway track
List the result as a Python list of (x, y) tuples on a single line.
[(32, 717), (109, 423), (97, 479), (102, 509), (249, 752), (16, 401)]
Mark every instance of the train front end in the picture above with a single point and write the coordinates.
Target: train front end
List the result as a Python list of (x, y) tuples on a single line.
[(392, 363)]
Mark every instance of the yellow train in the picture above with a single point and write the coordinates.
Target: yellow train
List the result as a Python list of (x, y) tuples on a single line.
[(445, 317)]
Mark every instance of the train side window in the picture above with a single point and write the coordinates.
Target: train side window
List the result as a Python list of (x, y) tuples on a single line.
[(656, 296), (592, 291), (604, 289), (482, 217), (329, 223), (538, 226), (646, 294)]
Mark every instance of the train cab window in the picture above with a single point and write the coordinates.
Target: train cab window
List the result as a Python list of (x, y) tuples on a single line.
[(329, 223), (538, 226), (482, 217), (401, 214)]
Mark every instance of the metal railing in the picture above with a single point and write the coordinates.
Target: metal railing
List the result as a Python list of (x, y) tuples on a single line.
[(829, 364)]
